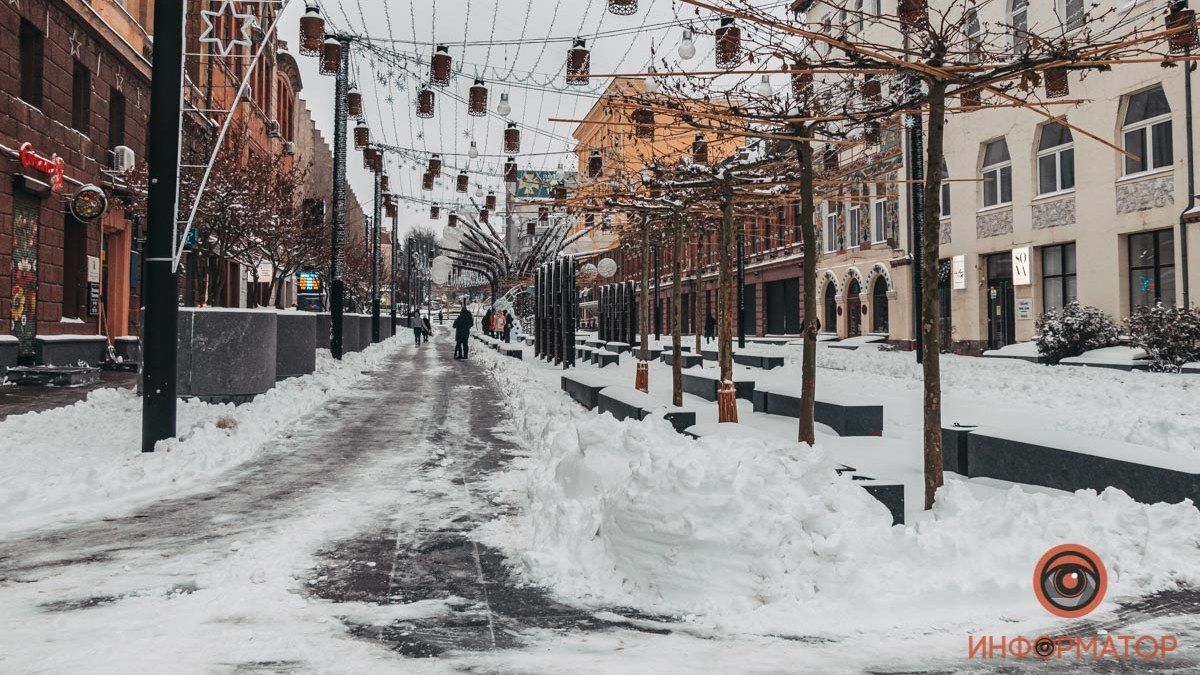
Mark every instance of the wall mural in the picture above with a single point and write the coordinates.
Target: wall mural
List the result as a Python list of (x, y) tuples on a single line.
[(25, 275)]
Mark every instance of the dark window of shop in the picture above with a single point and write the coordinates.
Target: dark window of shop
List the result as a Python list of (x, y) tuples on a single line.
[(31, 47), (797, 234), (74, 267), (1152, 268), (116, 119), (781, 226), (1059, 287), (81, 98), (830, 325), (879, 306)]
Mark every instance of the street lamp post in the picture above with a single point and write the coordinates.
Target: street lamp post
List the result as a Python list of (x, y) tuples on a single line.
[(337, 253), (376, 228), (741, 286), (395, 244)]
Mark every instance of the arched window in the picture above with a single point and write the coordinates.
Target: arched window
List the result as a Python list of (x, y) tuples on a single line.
[(1146, 132), (1056, 159), (830, 324), (879, 306), (945, 200), (1018, 25), (997, 174)]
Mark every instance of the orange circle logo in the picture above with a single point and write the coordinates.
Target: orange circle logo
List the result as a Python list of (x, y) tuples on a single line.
[(1070, 581)]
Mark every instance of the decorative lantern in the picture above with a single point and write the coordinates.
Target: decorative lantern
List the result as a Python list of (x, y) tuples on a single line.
[(510, 170), (503, 108), (439, 67), (622, 7), (595, 164), (435, 212), (512, 139), (871, 132), (427, 181), (392, 210), (579, 64), (477, 100), (729, 43), (425, 103), (384, 183), (362, 136), (490, 201), (643, 123), (911, 12), (452, 219), (872, 89), (435, 165), (483, 216), (331, 57), (463, 182), (312, 31), (700, 150), (1057, 83), (1180, 16), (354, 107), (968, 100), (830, 156)]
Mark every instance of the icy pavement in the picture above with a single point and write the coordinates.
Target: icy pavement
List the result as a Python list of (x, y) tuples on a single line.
[(348, 547)]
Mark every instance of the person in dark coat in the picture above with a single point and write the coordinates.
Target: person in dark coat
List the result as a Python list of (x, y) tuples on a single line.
[(426, 329), (462, 332), (508, 326), (710, 327), (487, 323), (414, 322)]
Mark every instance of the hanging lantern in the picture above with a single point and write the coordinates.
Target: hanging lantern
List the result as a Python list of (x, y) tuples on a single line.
[(376, 159), (729, 43), (331, 57), (503, 108), (452, 219), (435, 165), (1057, 83), (354, 107), (384, 183), (595, 164), (643, 123), (483, 216), (1181, 17), (512, 139), (435, 212), (970, 99), (439, 67), (362, 136), (872, 89), (427, 181), (392, 210), (911, 12), (510, 170), (490, 201), (312, 32), (425, 103), (477, 100), (700, 150), (463, 182), (622, 7), (830, 155), (579, 64)]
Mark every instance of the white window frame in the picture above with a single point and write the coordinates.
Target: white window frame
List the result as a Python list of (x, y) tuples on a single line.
[(1018, 21), (1060, 7), (944, 196), (1148, 126), (997, 169), (975, 37), (831, 229), (879, 219), (853, 226), (1057, 151)]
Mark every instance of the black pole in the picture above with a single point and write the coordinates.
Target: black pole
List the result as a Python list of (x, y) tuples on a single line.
[(657, 295), (161, 304), (337, 251), (916, 201), (1191, 174), (395, 244), (376, 244), (741, 286)]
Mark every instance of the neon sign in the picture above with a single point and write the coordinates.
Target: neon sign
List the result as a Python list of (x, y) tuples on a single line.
[(52, 167)]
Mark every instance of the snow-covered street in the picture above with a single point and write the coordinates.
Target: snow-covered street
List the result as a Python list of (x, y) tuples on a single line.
[(464, 516)]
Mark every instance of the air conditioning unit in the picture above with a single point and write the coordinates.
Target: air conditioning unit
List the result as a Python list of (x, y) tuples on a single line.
[(123, 159), (273, 129), (289, 148)]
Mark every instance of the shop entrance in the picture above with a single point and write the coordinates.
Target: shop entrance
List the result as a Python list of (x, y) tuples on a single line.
[(853, 309), (1002, 326), (782, 305)]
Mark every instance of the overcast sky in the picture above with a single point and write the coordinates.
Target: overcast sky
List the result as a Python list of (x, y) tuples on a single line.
[(520, 62)]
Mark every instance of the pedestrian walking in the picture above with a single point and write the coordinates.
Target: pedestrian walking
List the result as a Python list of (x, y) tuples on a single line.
[(710, 328), (427, 328), (414, 322), (462, 332), (508, 326)]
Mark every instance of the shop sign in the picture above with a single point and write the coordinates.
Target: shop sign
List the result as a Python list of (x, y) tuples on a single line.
[(310, 283), (93, 303), (1020, 266), (958, 272), (1024, 309), (53, 166), (93, 267)]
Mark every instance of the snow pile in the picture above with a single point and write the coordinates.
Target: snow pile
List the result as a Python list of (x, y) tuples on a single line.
[(85, 458), (754, 535)]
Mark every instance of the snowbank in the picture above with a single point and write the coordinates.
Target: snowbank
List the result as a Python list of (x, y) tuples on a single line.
[(85, 458), (756, 535)]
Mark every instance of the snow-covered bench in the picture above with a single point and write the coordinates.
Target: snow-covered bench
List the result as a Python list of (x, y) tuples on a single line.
[(1071, 461), (1117, 358), (595, 343), (686, 360), (705, 384), (625, 402), (859, 341), (71, 350), (583, 388), (845, 415), (583, 353), (603, 357), (511, 350), (618, 347), (758, 360)]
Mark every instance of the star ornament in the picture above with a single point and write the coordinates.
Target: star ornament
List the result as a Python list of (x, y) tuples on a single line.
[(242, 23)]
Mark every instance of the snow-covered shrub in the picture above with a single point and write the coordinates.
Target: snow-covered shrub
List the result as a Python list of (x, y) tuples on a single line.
[(1073, 330), (1170, 335)]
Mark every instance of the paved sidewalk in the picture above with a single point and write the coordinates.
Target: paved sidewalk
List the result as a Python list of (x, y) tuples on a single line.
[(20, 399)]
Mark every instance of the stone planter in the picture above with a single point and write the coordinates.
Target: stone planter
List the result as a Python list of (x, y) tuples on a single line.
[(128, 348), (225, 355), (295, 344), (322, 329), (71, 350), (8, 353)]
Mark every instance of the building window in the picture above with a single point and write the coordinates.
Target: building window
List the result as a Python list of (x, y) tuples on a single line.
[(997, 174), (31, 45), (855, 219), (945, 198), (797, 233), (1058, 277), (831, 230), (1147, 132), (1152, 268), (81, 98), (856, 22), (1018, 23), (116, 118), (1070, 14), (1056, 159), (879, 216), (973, 31), (781, 226)]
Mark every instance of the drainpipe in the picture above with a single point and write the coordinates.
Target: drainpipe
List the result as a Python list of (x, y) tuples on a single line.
[(1191, 179)]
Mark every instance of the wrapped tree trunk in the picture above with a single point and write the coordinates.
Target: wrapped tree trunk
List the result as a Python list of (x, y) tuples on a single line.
[(642, 378), (930, 336), (808, 228), (726, 393), (676, 315)]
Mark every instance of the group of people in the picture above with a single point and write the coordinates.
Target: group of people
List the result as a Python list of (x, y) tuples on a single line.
[(494, 323), (420, 326), (498, 325)]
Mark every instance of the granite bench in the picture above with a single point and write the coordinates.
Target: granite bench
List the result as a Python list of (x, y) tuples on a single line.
[(626, 402), (763, 361), (685, 360), (618, 347), (71, 350), (846, 417), (512, 351), (583, 389), (595, 344), (602, 357), (705, 384)]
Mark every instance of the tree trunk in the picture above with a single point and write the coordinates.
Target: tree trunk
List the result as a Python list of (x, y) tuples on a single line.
[(726, 394), (930, 336), (808, 228), (697, 289), (676, 315), (642, 376)]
